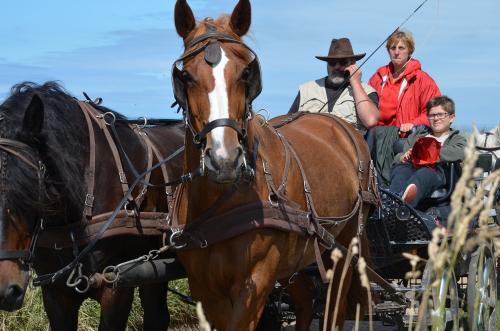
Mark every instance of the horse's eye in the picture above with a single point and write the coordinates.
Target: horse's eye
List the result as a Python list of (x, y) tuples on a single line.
[(186, 77), (245, 74)]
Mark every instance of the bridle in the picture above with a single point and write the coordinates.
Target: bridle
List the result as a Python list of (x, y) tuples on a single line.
[(26, 154), (485, 147), (212, 55)]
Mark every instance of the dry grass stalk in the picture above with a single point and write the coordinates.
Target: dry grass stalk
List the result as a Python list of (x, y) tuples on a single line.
[(356, 323), (204, 325), (412, 276), (366, 284), (336, 255), (351, 251)]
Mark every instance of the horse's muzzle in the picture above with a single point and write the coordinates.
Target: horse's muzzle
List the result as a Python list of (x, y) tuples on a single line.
[(12, 297), (224, 168)]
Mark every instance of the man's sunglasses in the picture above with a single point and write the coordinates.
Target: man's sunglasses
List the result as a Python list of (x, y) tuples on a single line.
[(342, 62)]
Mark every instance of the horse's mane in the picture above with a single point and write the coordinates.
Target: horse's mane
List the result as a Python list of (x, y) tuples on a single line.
[(62, 144)]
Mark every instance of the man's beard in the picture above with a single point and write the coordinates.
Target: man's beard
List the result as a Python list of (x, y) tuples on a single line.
[(336, 79)]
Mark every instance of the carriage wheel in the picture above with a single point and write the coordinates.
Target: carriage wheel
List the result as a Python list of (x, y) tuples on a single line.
[(450, 318), (482, 290)]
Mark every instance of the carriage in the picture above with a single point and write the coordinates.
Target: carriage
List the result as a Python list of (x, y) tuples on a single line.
[(395, 228)]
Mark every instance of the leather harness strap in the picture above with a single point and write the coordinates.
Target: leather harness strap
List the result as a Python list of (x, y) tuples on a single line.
[(89, 198), (114, 150), (151, 224), (143, 136), (168, 189)]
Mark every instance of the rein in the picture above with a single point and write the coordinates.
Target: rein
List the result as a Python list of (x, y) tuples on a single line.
[(52, 277), (488, 149)]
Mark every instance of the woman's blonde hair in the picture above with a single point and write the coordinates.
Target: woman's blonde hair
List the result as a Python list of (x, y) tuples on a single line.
[(404, 36)]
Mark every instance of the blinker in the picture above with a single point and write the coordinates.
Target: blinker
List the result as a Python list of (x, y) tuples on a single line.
[(213, 53)]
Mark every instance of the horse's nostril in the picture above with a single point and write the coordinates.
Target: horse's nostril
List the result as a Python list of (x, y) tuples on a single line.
[(14, 292), (210, 159)]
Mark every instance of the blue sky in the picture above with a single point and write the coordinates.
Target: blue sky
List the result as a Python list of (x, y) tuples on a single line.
[(123, 50)]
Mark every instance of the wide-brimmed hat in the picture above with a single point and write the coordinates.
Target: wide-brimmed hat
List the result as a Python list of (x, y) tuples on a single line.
[(341, 49)]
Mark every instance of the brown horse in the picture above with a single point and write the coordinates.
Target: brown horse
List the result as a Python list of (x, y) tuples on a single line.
[(52, 190), (259, 214)]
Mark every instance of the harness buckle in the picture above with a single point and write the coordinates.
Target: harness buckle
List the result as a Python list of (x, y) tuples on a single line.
[(123, 177), (132, 212), (142, 193), (307, 189), (202, 161), (89, 200), (265, 168)]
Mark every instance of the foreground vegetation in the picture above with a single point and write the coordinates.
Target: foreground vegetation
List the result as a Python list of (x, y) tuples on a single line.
[(468, 204), (32, 316)]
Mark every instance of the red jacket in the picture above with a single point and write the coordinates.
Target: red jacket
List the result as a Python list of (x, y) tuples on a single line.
[(417, 88)]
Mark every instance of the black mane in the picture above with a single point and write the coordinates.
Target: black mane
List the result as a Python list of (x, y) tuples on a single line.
[(62, 146)]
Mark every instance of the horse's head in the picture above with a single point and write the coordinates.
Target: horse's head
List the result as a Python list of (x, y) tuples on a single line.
[(21, 178), (487, 138), (216, 86)]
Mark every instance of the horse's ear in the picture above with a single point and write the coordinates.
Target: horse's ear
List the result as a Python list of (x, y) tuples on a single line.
[(184, 18), (33, 117), (241, 18), (475, 132)]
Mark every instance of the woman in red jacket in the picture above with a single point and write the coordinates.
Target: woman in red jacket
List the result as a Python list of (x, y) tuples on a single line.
[(402, 86)]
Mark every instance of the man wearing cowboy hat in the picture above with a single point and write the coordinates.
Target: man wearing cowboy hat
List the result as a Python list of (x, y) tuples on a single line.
[(341, 92)]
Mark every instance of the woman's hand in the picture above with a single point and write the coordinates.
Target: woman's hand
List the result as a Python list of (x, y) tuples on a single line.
[(406, 127)]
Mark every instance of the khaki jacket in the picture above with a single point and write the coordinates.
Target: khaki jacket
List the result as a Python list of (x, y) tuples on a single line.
[(313, 97)]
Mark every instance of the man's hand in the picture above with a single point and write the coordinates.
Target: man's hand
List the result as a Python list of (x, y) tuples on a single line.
[(406, 157), (354, 73), (406, 127)]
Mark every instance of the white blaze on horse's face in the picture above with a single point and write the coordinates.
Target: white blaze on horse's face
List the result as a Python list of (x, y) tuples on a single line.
[(219, 105)]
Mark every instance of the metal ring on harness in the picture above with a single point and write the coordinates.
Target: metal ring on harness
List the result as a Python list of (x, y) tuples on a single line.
[(113, 118), (265, 119), (107, 274), (82, 279), (142, 126), (176, 234), (274, 202)]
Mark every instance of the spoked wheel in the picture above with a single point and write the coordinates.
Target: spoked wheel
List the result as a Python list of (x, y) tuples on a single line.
[(448, 318), (482, 290)]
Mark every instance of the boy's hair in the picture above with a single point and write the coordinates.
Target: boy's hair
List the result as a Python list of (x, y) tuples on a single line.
[(405, 36), (445, 102)]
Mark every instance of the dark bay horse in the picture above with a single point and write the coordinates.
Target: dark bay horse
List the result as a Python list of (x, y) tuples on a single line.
[(271, 188), (53, 186)]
